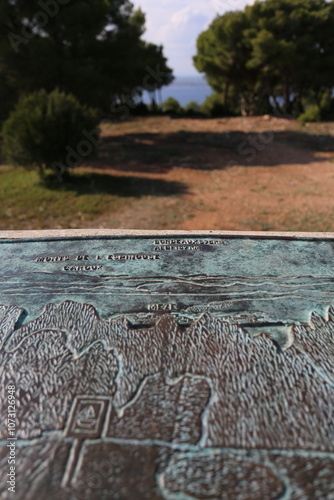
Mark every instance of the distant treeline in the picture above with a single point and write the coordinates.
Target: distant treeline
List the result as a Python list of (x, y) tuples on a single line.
[(212, 107), (276, 55)]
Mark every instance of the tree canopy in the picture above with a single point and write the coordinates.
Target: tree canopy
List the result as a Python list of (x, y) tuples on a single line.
[(282, 50), (93, 50)]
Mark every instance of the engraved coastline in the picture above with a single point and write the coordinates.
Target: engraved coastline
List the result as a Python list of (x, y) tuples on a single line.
[(216, 396), (284, 299)]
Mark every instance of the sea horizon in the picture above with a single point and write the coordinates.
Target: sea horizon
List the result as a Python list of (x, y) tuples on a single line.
[(186, 89)]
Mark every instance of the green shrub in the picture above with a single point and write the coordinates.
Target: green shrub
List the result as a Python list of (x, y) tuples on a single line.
[(141, 109), (172, 106), (311, 114), (50, 131), (213, 106), (193, 108), (327, 105)]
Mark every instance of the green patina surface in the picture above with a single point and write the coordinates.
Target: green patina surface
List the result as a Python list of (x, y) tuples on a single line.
[(258, 283), (182, 407)]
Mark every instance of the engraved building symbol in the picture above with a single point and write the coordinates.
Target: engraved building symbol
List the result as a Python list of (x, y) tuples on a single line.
[(87, 417), (85, 422)]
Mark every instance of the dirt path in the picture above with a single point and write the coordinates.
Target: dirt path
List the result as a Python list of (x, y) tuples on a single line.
[(238, 174)]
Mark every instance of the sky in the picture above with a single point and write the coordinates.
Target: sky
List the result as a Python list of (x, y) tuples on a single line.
[(176, 24)]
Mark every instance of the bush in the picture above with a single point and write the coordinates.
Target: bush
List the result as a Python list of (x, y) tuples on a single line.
[(311, 114), (172, 106), (50, 131), (193, 108), (141, 109), (327, 105), (213, 106)]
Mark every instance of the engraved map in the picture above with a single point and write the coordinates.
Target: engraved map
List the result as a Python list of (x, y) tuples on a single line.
[(203, 373)]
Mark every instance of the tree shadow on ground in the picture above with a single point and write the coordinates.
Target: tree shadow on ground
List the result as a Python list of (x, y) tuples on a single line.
[(93, 183), (158, 153)]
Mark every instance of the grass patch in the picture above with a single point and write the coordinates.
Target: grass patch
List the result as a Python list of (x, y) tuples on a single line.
[(74, 203), (30, 204)]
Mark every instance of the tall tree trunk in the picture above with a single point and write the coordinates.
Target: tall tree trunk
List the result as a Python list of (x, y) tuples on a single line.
[(287, 101), (41, 171), (225, 96), (244, 106), (153, 101), (299, 104), (277, 104), (160, 97)]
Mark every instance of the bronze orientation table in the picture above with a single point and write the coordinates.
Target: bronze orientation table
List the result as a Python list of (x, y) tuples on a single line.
[(166, 365)]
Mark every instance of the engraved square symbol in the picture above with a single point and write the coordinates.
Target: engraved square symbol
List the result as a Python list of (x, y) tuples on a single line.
[(87, 417)]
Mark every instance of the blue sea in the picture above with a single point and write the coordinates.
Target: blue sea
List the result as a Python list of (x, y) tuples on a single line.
[(187, 88)]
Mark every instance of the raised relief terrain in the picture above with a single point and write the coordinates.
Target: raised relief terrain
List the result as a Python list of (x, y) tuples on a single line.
[(167, 411)]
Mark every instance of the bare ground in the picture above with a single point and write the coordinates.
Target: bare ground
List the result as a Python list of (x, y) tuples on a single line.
[(222, 173)]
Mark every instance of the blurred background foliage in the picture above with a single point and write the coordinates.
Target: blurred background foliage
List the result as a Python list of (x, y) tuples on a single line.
[(71, 69)]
